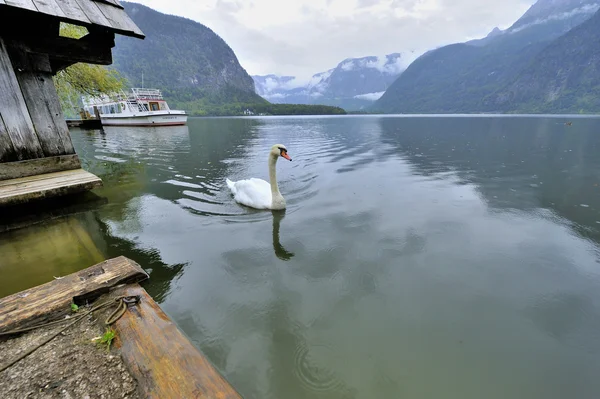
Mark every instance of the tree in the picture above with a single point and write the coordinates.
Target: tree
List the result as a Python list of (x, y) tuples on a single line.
[(81, 79)]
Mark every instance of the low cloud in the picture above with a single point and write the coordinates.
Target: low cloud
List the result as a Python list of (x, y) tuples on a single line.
[(586, 9), (301, 37), (370, 96)]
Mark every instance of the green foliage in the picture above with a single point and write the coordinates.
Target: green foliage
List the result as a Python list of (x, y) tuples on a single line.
[(74, 308), (72, 82), (107, 338)]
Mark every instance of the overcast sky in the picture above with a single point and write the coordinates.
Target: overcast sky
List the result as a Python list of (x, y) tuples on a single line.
[(303, 37)]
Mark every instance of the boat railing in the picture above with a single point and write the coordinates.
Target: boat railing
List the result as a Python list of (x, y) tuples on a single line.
[(147, 94)]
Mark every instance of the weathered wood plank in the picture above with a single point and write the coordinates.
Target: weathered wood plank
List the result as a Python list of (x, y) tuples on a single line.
[(40, 97), (24, 4), (93, 12), (50, 301), (162, 360), (23, 190), (40, 166), (7, 152), (49, 7), (119, 19), (8, 188), (14, 113), (72, 10), (50, 96)]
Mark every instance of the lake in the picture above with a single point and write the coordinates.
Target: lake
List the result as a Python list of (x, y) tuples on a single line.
[(419, 257)]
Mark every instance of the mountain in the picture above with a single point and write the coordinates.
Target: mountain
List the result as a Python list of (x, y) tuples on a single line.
[(190, 63), (353, 84), (460, 78), (564, 77)]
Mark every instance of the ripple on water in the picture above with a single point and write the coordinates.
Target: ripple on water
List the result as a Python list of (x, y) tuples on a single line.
[(311, 369)]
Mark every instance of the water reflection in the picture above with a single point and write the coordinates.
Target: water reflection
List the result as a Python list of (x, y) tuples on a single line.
[(515, 163), (280, 251)]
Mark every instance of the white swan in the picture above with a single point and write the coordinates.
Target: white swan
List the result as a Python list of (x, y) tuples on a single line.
[(257, 193)]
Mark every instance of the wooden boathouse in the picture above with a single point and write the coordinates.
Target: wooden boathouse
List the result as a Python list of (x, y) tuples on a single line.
[(37, 158)]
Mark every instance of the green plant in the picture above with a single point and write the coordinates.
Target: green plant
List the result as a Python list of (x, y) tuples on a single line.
[(107, 338)]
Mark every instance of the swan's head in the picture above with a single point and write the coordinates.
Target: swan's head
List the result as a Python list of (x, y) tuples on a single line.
[(279, 150)]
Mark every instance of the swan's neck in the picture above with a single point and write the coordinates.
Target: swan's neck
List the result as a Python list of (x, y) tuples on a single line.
[(273, 175)]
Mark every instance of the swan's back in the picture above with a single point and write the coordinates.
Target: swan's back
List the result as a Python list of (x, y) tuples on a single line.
[(255, 193)]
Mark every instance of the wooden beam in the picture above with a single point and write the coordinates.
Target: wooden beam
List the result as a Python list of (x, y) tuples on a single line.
[(163, 361), (13, 112), (90, 50), (51, 301), (32, 167), (54, 184)]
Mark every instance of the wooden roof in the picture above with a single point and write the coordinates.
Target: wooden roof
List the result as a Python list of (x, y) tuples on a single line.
[(100, 13)]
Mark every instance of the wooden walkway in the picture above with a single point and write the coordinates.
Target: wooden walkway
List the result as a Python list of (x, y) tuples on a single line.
[(163, 361), (24, 189)]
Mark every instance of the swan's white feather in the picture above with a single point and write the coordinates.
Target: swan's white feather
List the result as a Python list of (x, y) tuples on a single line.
[(253, 192)]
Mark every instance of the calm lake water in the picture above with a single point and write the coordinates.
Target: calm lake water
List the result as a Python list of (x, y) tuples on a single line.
[(421, 257)]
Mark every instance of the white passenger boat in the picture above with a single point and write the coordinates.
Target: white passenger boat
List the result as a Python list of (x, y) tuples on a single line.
[(141, 107)]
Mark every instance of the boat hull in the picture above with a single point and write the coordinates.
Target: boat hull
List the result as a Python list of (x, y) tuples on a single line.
[(144, 120)]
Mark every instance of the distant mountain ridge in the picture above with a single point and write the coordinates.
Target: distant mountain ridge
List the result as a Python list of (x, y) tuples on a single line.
[(463, 77), (353, 84), (564, 77), (193, 66)]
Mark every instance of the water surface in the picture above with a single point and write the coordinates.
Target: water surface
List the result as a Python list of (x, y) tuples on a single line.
[(423, 257)]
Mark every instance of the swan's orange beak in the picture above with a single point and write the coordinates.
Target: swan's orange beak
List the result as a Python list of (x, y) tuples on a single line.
[(286, 156)]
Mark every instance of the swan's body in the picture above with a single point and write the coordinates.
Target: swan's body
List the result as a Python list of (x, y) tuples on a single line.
[(257, 193)]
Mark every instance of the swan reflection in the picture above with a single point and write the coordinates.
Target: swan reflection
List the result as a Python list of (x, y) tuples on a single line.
[(280, 251)]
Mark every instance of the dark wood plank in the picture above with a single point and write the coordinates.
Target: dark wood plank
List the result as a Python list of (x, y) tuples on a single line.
[(51, 103), (33, 167), (14, 113), (41, 100), (49, 7), (7, 152), (119, 19), (52, 300), (162, 360), (24, 4), (27, 189), (72, 10)]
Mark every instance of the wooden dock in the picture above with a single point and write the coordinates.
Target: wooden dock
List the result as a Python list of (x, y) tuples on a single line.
[(164, 363), (91, 123), (25, 189)]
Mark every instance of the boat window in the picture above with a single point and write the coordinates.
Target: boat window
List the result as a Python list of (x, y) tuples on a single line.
[(154, 106)]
